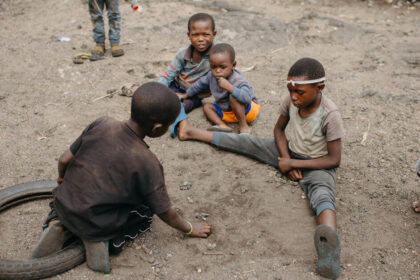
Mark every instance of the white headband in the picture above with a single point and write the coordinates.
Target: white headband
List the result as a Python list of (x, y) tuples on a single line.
[(305, 82)]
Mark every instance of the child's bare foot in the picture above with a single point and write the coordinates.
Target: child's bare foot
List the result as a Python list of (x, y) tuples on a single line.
[(184, 129), (416, 206), (188, 132)]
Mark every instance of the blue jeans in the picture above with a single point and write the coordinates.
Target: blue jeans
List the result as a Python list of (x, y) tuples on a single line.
[(114, 19)]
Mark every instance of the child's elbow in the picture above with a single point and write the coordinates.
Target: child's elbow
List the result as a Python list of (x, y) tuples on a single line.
[(335, 162)]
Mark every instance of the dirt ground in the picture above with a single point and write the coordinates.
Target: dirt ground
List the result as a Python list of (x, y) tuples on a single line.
[(262, 225)]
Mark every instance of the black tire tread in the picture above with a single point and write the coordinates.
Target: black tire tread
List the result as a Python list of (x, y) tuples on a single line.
[(69, 257)]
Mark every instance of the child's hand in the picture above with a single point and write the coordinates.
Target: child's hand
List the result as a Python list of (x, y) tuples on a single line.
[(295, 175), (224, 84), (285, 164), (202, 230), (182, 95)]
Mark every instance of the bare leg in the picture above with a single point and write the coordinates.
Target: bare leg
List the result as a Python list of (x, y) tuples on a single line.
[(212, 115), (239, 110), (188, 132), (327, 217)]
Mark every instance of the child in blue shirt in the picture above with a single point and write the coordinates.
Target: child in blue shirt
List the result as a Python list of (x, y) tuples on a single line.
[(235, 98)]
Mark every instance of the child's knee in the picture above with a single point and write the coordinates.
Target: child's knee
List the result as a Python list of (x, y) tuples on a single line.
[(208, 107)]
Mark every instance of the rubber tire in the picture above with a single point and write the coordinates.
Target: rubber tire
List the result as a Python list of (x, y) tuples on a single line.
[(69, 257)]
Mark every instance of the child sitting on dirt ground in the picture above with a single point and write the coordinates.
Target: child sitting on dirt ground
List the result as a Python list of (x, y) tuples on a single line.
[(192, 62), (235, 99), (310, 154), (111, 184)]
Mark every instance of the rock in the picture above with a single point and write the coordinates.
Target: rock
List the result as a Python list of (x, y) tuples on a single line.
[(168, 256), (111, 91), (244, 189), (151, 76), (185, 186), (368, 93), (130, 71), (211, 246), (201, 216)]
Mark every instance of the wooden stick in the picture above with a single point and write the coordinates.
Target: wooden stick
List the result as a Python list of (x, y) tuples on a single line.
[(213, 253)]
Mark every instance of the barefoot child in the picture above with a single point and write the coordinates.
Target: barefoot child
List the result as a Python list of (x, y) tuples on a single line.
[(310, 154), (192, 62), (235, 99), (111, 184)]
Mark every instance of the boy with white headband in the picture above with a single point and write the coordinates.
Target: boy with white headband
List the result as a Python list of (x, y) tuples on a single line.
[(310, 152)]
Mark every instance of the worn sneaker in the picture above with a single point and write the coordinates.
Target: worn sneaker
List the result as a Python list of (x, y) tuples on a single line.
[(99, 50), (51, 241), (116, 51), (97, 256)]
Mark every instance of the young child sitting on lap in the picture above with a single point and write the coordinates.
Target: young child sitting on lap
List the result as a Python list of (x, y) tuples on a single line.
[(111, 184), (310, 154), (192, 62), (235, 99)]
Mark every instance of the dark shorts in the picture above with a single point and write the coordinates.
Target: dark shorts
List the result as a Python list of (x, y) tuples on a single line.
[(139, 221)]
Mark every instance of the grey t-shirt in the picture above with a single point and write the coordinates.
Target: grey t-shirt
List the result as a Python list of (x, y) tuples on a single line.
[(309, 136)]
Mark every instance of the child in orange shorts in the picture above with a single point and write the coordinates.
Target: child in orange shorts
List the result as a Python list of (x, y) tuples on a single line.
[(235, 99)]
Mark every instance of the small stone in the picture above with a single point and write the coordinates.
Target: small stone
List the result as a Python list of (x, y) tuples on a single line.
[(189, 199), (151, 260), (201, 216), (111, 91), (199, 270), (211, 246), (130, 71), (151, 76), (185, 186), (168, 256), (244, 189), (156, 251)]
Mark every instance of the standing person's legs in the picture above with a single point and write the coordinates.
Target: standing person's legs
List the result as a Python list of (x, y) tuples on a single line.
[(96, 8), (114, 20)]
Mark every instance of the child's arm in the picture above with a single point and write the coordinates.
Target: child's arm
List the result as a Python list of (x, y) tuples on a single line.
[(199, 86), (63, 162), (172, 218), (331, 160), (294, 174), (173, 69), (243, 93)]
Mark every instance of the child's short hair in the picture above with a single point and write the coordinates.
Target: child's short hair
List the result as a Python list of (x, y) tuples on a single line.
[(201, 17), (307, 67), (223, 48), (154, 103)]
